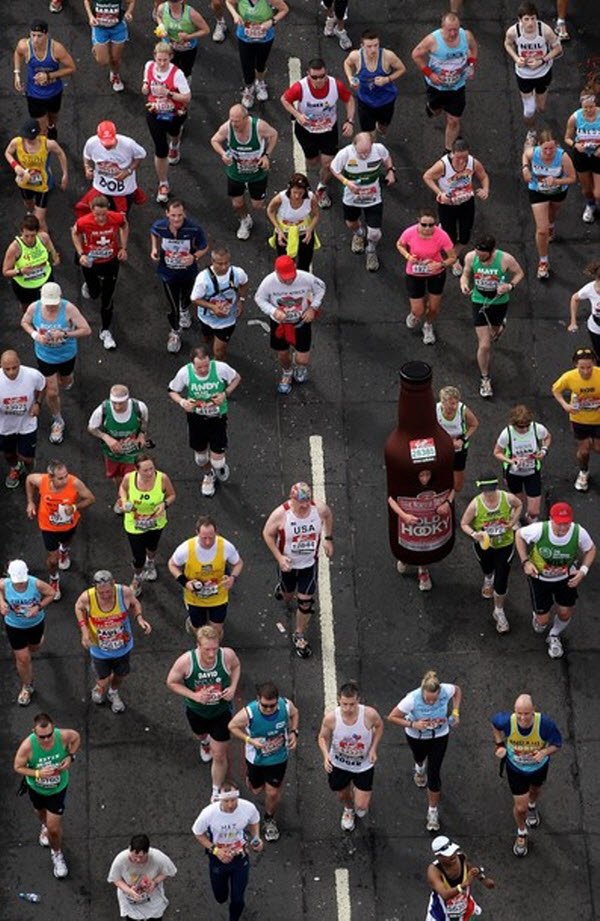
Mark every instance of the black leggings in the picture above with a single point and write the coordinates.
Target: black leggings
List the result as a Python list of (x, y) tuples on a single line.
[(496, 561), (140, 543), (253, 58), (101, 279), (305, 253), (434, 750), (163, 129), (458, 220), (339, 7), (178, 295)]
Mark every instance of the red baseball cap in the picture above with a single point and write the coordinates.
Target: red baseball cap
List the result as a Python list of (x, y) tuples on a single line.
[(107, 133), (561, 513), (285, 268)]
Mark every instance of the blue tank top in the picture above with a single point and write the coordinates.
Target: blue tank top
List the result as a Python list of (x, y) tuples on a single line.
[(19, 604), (48, 65), (63, 351), (272, 729), (450, 64), (539, 170), (368, 91), (587, 132)]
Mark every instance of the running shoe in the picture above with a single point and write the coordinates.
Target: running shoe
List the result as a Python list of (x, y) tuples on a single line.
[(222, 473), (543, 269), (174, 153), (220, 31), (555, 647), (59, 864), (107, 339), (301, 646), (300, 374), (98, 696), (582, 481), (420, 776), (358, 243), (24, 698), (457, 269), (64, 557), (537, 626), (270, 830), (185, 318), (534, 819), (347, 821), (487, 589), (502, 624), (57, 432), (344, 40), (372, 260), (55, 6), (323, 197), (589, 214), (205, 752), (425, 583), (433, 819), (428, 334), (485, 388), (85, 291), (162, 195), (114, 698), (285, 384), (149, 573), (262, 92), (208, 484), (43, 839), (561, 30), (173, 342), (245, 228), (360, 813), (401, 567), (329, 28), (520, 848), (248, 96), (13, 477), (116, 82), (54, 583), (412, 321)]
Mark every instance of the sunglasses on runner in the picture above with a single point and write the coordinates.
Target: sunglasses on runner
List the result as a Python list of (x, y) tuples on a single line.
[(425, 224), (47, 735)]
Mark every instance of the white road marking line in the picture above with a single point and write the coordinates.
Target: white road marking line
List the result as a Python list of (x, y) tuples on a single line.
[(295, 74), (261, 323), (342, 895), (317, 464)]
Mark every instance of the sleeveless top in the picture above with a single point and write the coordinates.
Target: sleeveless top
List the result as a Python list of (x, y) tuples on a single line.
[(322, 112), (532, 46), (540, 170), (48, 64), (175, 26), (299, 538), (368, 91), (110, 631), (35, 164), (20, 603), (246, 155), (449, 64), (350, 744), (458, 186), (54, 353)]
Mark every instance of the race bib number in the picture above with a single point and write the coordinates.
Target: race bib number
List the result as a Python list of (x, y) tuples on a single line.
[(35, 177), (110, 639), (14, 406), (420, 268), (49, 782), (206, 589), (206, 409), (272, 745), (450, 75), (110, 185), (144, 522), (422, 450), (253, 31), (174, 252), (320, 123), (304, 544), (213, 692), (248, 165), (494, 529), (37, 271)]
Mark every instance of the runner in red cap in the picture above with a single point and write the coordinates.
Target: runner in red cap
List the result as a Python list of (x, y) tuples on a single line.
[(293, 533), (556, 556), (291, 298), (110, 161)]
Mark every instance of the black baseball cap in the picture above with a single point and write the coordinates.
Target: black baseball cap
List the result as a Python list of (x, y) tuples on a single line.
[(30, 129)]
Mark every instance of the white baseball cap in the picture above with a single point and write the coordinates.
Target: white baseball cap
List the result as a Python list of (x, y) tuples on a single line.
[(18, 571), (51, 293), (444, 847)]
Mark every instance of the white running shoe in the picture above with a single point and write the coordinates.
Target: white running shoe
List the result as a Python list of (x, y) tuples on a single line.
[(173, 342), (372, 260), (55, 586), (420, 776), (357, 244), (205, 752), (185, 318), (589, 214), (43, 839), (502, 624), (555, 647), (174, 153), (485, 388), (412, 321), (220, 31), (330, 24), (162, 195), (425, 583), (59, 864), (57, 432), (537, 626), (270, 830), (116, 704), (248, 96), (300, 374), (208, 484), (222, 473), (582, 481), (107, 339), (343, 38), (347, 822), (149, 573), (457, 269), (428, 334), (433, 819), (487, 589), (245, 228), (401, 567), (116, 82), (85, 291), (262, 93)]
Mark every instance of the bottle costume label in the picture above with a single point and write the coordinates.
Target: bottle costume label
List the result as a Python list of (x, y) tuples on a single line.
[(432, 530)]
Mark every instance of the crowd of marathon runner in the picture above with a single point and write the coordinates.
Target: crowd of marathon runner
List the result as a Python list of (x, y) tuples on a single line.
[(340, 122)]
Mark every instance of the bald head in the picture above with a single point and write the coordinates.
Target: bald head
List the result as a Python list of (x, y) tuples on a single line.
[(363, 143), (524, 700), (10, 363), (237, 114), (524, 711), (450, 19)]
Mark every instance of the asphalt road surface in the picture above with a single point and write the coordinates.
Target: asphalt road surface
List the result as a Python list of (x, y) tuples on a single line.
[(140, 771)]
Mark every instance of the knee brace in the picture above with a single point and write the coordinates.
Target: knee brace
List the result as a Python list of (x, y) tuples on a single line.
[(306, 605), (528, 105), (201, 458), (374, 235)]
